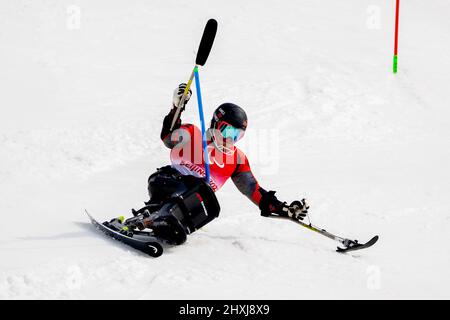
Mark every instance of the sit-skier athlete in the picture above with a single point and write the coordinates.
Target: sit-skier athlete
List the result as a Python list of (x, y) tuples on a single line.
[(180, 199)]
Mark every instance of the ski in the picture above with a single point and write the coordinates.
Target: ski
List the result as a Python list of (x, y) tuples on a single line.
[(139, 240), (354, 245)]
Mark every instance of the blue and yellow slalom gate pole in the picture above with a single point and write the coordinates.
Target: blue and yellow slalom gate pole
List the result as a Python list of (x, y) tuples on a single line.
[(202, 121), (202, 55)]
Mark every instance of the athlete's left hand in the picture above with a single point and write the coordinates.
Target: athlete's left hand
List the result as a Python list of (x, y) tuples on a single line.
[(298, 210)]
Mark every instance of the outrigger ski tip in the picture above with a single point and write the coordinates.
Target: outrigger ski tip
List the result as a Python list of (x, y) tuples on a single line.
[(354, 245)]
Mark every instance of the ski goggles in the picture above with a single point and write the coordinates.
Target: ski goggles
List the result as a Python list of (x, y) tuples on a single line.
[(230, 132)]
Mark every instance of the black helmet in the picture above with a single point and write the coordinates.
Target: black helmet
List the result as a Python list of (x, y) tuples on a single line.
[(230, 113)]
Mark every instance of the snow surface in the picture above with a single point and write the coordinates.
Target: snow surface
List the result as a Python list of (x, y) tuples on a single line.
[(79, 128)]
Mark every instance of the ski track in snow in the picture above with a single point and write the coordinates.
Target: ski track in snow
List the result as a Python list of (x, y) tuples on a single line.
[(370, 150)]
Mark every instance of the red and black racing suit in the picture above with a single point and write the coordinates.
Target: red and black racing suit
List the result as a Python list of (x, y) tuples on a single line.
[(185, 142)]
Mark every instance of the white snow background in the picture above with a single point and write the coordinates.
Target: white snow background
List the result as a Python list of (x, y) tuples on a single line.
[(84, 86)]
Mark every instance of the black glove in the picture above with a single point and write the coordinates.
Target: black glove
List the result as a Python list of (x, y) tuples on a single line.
[(270, 204)]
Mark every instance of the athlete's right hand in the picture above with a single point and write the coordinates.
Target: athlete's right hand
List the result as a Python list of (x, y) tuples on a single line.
[(178, 94)]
